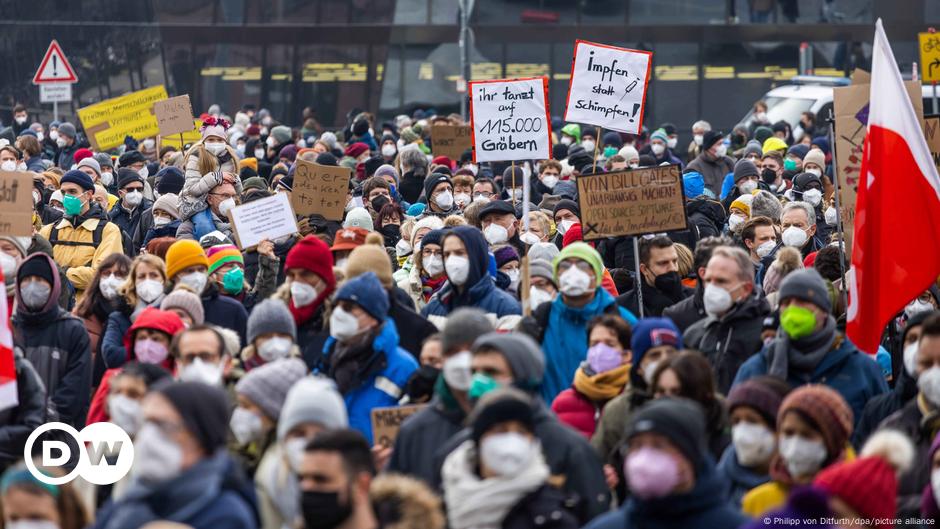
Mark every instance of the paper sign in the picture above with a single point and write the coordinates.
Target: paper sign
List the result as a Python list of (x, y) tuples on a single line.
[(451, 140), (108, 122), (266, 218), (189, 137), (608, 86), (387, 421), (929, 46), (850, 106), (320, 189), (932, 134), (633, 202), (16, 203), (55, 93), (174, 115), (509, 120)]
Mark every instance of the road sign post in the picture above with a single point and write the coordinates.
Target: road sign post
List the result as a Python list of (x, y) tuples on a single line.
[(55, 77)]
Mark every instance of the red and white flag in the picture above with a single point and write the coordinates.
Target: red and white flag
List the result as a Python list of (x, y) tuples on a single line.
[(8, 393), (896, 252)]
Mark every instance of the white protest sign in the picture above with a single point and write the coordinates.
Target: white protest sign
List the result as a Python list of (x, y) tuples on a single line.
[(267, 218), (509, 119), (608, 86)]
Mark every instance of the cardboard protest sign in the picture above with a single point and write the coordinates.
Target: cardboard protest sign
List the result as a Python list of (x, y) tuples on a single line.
[(509, 119), (608, 86), (267, 218), (320, 189), (633, 202), (190, 137), (387, 421), (850, 106), (108, 122), (16, 203), (932, 134), (174, 115), (451, 140)]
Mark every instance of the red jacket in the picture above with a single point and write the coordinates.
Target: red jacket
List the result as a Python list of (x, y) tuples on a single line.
[(577, 411)]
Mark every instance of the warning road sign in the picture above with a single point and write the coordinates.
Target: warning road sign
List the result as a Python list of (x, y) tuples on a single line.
[(929, 45), (55, 68)]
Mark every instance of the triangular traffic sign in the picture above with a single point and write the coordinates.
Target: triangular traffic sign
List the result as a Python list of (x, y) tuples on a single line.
[(55, 68)]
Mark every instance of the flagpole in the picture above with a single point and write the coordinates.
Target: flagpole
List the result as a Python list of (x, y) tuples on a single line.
[(840, 230)]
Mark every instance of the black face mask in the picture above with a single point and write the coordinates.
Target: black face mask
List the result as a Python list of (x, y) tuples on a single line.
[(322, 510), (391, 232), (379, 202), (669, 283), (768, 176), (421, 384)]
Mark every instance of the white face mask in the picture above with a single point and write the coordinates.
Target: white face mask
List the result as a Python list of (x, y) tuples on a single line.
[(657, 148), (458, 269), (108, 286), (294, 451), (196, 281), (648, 372), (462, 199), (107, 178), (574, 282), (506, 454), (916, 307), (721, 150), (402, 248), (215, 148), (159, 222), (20, 120), (246, 425), (830, 215), (39, 137), (226, 205), (156, 458), (8, 265), (388, 150), (302, 294), (754, 444), (765, 248), (60, 141), (444, 199), (274, 348), (341, 262), (148, 144), (144, 172), (269, 142), (802, 456), (125, 412), (537, 296), (589, 146), (516, 193), (259, 153), (910, 359), (816, 172), (549, 181), (734, 221), (747, 187), (496, 234), (698, 139), (513, 278), (566, 140), (149, 290), (794, 237), (473, 168), (343, 325), (717, 300), (433, 265), (240, 149), (813, 196), (133, 198), (456, 371), (54, 135), (199, 371), (8, 165), (672, 142), (929, 384), (564, 226)]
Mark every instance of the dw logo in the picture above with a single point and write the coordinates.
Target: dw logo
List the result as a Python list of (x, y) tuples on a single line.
[(106, 453)]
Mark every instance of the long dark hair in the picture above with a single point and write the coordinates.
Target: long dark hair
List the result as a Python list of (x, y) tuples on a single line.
[(93, 297), (696, 382)]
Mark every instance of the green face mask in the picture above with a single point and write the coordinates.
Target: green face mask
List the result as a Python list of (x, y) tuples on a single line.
[(797, 322), (234, 281), (789, 165), (481, 385), (609, 151), (72, 205)]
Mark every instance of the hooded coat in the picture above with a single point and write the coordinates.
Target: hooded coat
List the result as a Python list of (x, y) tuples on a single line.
[(707, 215), (713, 170), (882, 406)]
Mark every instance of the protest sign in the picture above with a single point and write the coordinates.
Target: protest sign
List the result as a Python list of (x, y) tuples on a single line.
[(633, 202), (451, 140), (608, 86), (932, 134), (387, 421), (108, 122), (509, 119), (320, 189), (850, 106), (268, 218), (174, 115), (16, 203), (189, 137)]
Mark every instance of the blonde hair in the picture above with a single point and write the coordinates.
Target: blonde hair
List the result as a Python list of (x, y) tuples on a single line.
[(129, 289), (542, 220), (208, 163), (686, 260), (454, 220)]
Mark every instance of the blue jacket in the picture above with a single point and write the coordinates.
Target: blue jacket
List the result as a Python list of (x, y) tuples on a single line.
[(35, 164), (383, 388), (739, 480), (112, 344), (224, 311), (845, 369), (566, 342)]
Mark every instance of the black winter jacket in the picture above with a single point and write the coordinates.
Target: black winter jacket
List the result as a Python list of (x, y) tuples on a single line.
[(18, 422), (687, 311)]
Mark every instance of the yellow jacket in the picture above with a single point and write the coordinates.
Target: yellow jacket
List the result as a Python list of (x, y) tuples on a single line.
[(74, 248)]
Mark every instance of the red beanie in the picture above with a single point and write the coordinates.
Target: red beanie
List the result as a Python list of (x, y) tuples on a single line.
[(443, 160), (310, 253), (81, 154), (572, 235)]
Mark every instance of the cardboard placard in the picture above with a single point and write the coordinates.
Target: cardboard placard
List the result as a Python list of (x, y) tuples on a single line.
[(509, 120), (451, 140), (932, 135), (850, 106), (387, 421), (108, 122), (267, 218), (633, 202), (174, 115), (190, 137), (16, 203), (320, 189), (608, 86)]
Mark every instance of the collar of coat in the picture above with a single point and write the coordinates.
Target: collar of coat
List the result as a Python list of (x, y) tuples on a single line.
[(88, 224)]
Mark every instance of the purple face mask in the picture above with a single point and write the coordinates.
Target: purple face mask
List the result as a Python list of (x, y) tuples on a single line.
[(651, 473), (602, 358), (149, 351)]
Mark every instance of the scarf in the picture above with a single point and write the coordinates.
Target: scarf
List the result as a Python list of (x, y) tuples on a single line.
[(476, 503), (800, 356), (276, 479), (602, 386), (304, 314), (430, 286), (354, 362)]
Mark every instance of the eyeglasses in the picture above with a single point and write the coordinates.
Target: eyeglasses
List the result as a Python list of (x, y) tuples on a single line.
[(225, 196)]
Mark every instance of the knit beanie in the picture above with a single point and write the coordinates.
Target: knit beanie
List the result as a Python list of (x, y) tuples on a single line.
[(828, 411), (499, 406), (629, 152), (742, 203), (815, 156), (522, 353), (743, 169), (432, 181), (799, 150), (312, 400), (653, 332), (254, 182), (356, 149), (785, 262), (186, 301), (680, 420), (660, 134), (367, 292), (22, 243), (359, 217), (570, 205), (752, 147), (104, 160), (806, 285), (584, 252), (710, 138), (573, 235), (544, 251), (370, 257), (429, 223), (464, 326), (204, 409), (281, 134), (505, 254), (223, 254), (126, 176), (310, 253), (387, 170), (90, 162), (168, 203), (170, 180), (542, 268), (765, 204), (270, 316), (694, 184), (183, 254), (36, 264), (267, 385), (78, 178), (758, 394)]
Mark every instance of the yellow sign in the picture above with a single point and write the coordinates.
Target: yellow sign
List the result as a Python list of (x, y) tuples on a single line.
[(108, 122), (189, 138), (929, 46)]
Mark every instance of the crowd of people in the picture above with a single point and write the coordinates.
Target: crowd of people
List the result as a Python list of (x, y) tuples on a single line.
[(558, 385)]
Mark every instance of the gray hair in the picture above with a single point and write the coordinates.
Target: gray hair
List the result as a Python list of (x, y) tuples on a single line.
[(412, 158), (765, 204), (702, 124), (805, 206), (741, 259)]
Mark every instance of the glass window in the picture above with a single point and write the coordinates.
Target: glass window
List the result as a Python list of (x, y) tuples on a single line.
[(333, 80), (229, 75), (194, 11)]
